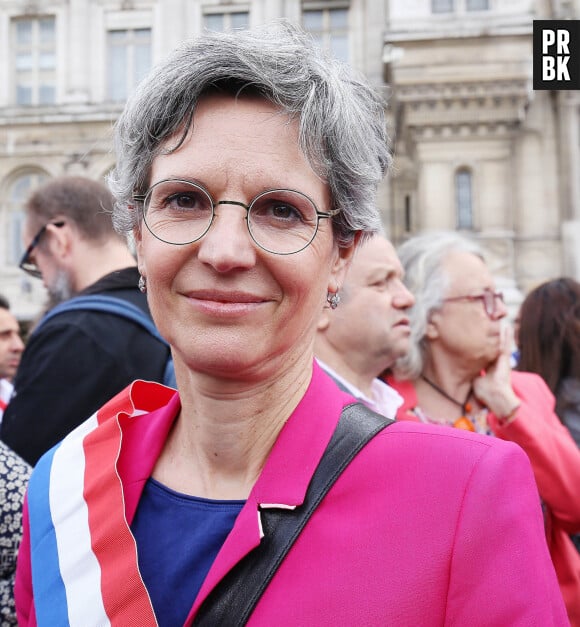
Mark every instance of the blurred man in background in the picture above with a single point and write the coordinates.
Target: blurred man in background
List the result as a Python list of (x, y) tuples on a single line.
[(11, 347), (368, 330)]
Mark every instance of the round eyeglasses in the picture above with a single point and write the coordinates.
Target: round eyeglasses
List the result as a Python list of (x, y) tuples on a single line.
[(280, 221), (488, 297)]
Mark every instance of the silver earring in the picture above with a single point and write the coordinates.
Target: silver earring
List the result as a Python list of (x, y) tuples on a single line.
[(333, 299), (142, 285)]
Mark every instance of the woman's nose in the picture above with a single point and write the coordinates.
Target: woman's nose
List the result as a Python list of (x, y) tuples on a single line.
[(227, 244), (500, 309)]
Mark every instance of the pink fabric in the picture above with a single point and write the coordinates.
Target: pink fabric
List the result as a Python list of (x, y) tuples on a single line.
[(426, 526), (555, 460)]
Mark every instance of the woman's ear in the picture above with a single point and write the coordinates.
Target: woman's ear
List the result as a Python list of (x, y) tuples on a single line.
[(138, 246), (432, 329), (341, 263)]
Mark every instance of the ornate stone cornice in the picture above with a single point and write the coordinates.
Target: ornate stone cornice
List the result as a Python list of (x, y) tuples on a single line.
[(463, 108)]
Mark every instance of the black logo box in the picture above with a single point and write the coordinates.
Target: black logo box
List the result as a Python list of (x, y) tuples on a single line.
[(572, 27)]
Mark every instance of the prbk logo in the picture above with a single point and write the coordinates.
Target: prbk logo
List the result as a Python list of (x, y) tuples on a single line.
[(556, 54)]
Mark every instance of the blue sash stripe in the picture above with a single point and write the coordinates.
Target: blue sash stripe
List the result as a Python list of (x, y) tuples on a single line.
[(48, 586)]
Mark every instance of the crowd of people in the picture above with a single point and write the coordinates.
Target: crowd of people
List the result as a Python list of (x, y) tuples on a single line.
[(347, 441)]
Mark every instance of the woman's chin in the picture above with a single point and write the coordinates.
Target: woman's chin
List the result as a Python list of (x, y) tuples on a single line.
[(228, 364)]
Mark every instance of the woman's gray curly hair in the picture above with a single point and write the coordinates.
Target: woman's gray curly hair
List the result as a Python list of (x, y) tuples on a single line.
[(422, 258), (342, 128)]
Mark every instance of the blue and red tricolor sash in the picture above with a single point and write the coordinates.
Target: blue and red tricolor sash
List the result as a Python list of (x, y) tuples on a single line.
[(82, 550)]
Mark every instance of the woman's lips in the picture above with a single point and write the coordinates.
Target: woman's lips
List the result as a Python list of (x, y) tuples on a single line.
[(226, 304)]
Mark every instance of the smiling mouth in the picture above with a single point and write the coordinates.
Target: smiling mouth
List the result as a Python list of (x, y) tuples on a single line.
[(226, 304), (226, 298)]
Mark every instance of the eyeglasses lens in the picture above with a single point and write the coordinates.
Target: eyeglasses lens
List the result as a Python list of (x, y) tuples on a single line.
[(177, 212), (490, 301), (279, 221), (282, 221), (31, 268), (27, 263)]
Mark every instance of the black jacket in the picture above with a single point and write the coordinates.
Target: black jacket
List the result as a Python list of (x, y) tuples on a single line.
[(74, 364)]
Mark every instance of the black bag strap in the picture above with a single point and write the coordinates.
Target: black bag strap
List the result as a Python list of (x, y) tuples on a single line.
[(232, 601)]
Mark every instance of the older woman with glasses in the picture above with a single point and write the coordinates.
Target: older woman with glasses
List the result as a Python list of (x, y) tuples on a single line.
[(457, 373), (247, 170)]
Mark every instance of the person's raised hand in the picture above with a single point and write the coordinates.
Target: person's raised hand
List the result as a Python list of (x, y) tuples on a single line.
[(493, 388)]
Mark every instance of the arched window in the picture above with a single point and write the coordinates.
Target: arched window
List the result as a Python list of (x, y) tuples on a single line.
[(463, 199), (13, 217)]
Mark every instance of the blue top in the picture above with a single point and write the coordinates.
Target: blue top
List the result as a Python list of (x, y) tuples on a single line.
[(178, 538)]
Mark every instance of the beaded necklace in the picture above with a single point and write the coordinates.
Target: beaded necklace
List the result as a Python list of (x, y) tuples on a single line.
[(463, 422)]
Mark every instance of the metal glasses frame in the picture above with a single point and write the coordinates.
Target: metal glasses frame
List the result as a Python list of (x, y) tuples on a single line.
[(142, 199), (488, 298)]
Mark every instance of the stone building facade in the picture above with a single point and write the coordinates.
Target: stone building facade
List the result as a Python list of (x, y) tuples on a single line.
[(475, 148)]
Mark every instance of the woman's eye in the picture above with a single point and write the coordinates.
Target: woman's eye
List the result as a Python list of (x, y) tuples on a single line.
[(275, 211), (178, 197), (285, 212), (183, 201)]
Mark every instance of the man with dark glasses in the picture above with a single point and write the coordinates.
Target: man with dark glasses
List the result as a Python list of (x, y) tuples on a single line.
[(78, 359)]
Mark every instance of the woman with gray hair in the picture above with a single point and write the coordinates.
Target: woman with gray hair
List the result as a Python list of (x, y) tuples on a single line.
[(247, 169), (457, 373)]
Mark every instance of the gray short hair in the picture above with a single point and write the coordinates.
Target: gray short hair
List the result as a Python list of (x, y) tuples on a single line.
[(341, 118), (422, 257)]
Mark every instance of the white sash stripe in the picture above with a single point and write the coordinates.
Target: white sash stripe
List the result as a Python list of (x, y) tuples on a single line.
[(79, 567)]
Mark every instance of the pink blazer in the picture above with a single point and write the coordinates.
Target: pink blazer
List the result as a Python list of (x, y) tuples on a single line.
[(555, 460), (426, 526)]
